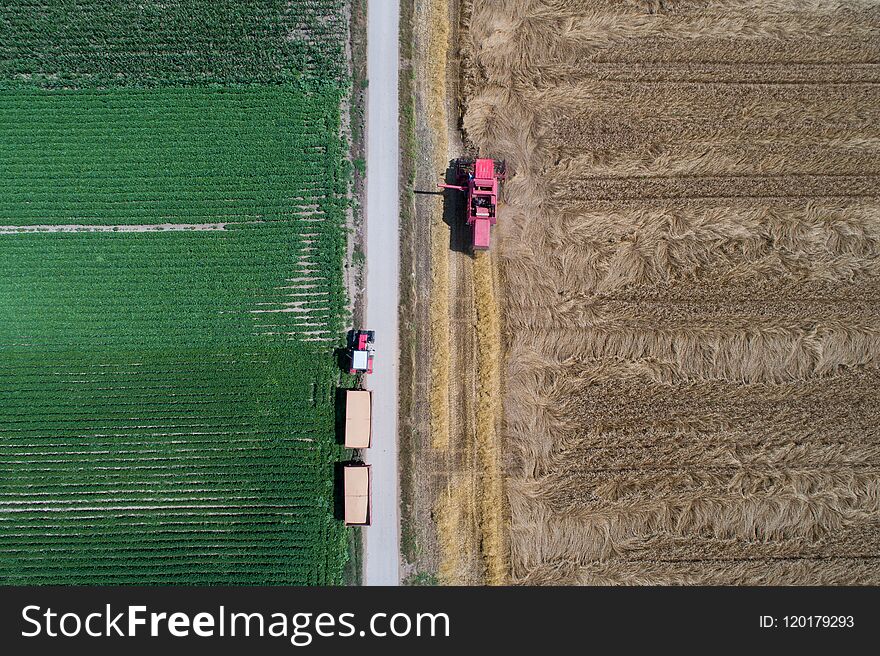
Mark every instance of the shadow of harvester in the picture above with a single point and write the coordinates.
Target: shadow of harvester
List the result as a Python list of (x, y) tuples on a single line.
[(455, 210)]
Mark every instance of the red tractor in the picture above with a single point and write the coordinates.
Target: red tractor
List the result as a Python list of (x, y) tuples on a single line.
[(481, 180), (360, 351)]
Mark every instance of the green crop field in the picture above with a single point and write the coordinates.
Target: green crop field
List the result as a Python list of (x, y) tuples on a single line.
[(173, 190)]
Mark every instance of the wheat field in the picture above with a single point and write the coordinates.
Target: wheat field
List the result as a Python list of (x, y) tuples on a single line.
[(690, 264)]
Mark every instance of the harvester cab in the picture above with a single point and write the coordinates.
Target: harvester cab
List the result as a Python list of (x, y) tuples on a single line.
[(480, 179), (361, 351)]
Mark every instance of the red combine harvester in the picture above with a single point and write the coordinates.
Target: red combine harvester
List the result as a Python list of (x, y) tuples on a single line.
[(360, 351), (481, 180)]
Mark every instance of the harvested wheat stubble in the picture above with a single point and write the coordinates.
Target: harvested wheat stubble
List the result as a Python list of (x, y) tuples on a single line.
[(691, 257)]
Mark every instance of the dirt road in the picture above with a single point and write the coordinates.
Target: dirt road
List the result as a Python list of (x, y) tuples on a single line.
[(382, 539), (443, 477)]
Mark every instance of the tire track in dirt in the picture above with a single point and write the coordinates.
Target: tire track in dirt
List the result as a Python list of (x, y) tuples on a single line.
[(462, 457)]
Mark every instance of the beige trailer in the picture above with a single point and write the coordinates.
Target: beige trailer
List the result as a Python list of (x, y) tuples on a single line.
[(356, 487), (358, 419)]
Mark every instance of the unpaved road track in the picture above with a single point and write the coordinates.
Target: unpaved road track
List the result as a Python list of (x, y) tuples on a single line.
[(441, 520), (382, 541)]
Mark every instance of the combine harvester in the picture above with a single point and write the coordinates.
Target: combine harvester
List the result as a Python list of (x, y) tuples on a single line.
[(481, 180)]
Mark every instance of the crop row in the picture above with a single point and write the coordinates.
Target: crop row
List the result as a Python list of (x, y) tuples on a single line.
[(175, 42), (160, 422), (173, 198), (140, 156), (277, 272), (167, 501)]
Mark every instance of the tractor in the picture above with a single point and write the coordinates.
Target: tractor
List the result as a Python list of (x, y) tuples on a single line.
[(361, 351)]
